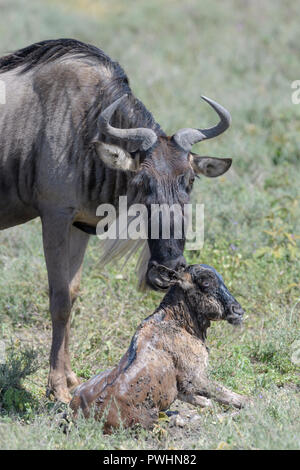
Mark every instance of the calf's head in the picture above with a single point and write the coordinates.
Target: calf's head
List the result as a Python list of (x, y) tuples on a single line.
[(204, 292), (163, 172)]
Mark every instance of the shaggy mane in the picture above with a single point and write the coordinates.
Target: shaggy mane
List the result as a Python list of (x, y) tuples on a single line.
[(53, 49)]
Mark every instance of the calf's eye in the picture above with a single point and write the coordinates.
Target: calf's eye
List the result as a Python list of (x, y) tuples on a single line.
[(205, 284)]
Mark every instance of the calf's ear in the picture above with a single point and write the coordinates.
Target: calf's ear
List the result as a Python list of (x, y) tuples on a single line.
[(167, 275), (115, 157), (210, 166), (171, 277)]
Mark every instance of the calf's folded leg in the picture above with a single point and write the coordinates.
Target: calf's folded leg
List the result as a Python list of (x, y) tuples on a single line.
[(223, 395), (197, 388), (196, 400)]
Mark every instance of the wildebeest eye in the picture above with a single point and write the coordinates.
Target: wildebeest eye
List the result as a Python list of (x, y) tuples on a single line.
[(206, 285), (186, 182), (192, 179)]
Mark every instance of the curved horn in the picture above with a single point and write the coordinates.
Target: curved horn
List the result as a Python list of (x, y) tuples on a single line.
[(142, 136), (186, 138)]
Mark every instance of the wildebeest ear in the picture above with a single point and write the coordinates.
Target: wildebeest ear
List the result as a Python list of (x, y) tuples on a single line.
[(115, 157), (210, 166)]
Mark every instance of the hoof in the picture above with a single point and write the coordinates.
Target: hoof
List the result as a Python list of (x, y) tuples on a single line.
[(63, 395), (242, 402), (178, 421)]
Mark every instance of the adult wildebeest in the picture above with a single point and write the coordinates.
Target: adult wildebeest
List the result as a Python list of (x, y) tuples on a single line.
[(167, 357), (73, 136)]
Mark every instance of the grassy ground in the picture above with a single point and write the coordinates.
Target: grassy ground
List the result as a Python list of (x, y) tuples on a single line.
[(245, 55)]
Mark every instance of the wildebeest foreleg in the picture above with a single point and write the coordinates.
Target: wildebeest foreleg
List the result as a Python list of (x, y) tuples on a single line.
[(77, 246), (56, 240)]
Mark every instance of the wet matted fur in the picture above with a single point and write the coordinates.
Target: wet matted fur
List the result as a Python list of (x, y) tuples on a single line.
[(167, 357)]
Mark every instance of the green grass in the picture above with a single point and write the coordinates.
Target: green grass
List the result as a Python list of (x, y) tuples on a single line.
[(245, 55)]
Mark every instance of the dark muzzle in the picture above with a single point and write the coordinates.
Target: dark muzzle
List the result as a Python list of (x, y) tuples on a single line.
[(235, 314)]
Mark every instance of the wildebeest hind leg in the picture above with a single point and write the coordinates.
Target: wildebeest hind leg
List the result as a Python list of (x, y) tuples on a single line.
[(77, 247), (56, 225)]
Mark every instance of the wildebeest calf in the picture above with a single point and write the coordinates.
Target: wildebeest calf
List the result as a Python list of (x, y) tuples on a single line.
[(167, 357)]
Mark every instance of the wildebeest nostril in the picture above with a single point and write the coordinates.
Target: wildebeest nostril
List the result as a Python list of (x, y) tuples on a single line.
[(236, 310), (181, 264)]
